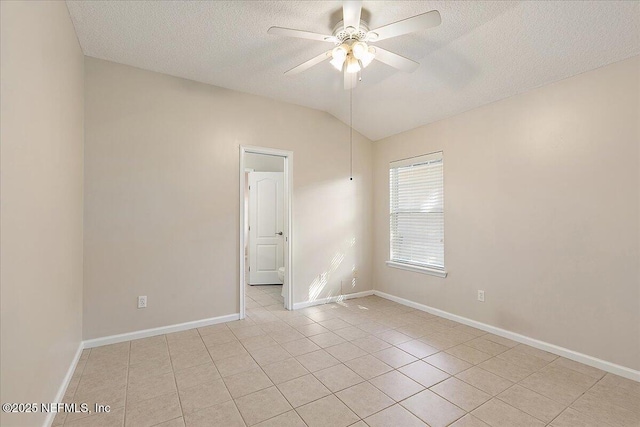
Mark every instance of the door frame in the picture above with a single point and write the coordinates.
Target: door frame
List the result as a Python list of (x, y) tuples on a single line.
[(288, 226)]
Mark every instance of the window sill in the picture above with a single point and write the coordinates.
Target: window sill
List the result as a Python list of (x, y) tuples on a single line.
[(416, 269)]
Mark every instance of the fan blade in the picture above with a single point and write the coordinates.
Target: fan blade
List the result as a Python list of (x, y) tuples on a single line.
[(395, 60), (350, 80), (308, 64), (351, 11), (406, 26), (288, 32)]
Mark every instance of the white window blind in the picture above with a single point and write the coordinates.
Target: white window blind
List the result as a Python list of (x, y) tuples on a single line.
[(417, 211)]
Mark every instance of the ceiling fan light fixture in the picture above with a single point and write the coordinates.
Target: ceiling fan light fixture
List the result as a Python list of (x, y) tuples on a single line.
[(340, 52), (353, 65), (339, 56), (337, 63), (368, 57), (359, 49)]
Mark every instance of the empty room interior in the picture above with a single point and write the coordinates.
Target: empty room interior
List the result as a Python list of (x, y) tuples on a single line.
[(320, 213)]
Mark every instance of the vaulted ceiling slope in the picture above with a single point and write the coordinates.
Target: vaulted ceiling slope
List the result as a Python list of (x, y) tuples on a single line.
[(483, 51)]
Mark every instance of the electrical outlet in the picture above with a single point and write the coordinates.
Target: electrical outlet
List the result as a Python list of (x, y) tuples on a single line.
[(142, 301), (481, 296), (355, 273)]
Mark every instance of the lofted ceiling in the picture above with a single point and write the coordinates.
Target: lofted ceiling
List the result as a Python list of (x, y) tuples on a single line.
[(483, 51)]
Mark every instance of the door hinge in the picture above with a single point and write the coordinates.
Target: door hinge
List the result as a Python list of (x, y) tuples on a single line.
[(249, 268), (249, 187), (249, 227)]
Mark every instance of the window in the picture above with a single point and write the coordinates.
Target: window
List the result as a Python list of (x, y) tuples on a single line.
[(417, 214)]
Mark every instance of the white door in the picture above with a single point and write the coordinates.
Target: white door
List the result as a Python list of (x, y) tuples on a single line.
[(266, 226)]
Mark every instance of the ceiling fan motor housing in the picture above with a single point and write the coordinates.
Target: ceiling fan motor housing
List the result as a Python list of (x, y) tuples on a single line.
[(345, 35)]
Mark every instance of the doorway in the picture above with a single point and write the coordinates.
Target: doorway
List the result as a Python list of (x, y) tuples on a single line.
[(265, 228)]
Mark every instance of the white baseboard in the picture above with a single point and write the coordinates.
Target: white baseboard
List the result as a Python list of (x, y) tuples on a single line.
[(113, 339), (327, 300), (622, 371), (65, 383)]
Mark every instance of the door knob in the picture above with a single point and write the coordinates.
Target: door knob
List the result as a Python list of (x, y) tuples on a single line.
[(279, 233)]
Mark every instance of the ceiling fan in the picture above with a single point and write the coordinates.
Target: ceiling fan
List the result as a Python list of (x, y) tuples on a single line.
[(352, 41)]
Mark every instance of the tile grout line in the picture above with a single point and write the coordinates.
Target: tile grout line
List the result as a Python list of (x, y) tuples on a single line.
[(260, 366), (126, 389), (445, 379), (547, 397), (492, 397), (370, 415), (578, 398), (222, 378), (174, 379), (76, 389), (173, 371), (172, 419)]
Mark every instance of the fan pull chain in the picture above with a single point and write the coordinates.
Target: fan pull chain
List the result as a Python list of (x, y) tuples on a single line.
[(351, 133)]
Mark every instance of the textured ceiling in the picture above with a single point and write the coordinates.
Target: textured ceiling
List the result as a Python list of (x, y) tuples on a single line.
[(482, 52)]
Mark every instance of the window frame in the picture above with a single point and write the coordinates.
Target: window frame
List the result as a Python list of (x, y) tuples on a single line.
[(405, 265)]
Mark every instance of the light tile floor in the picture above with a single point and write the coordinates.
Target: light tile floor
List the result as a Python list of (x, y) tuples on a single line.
[(362, 362)]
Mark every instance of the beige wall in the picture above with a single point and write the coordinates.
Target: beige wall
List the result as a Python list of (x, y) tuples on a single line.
[(41, 186), (541, 212), (162, 197)]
